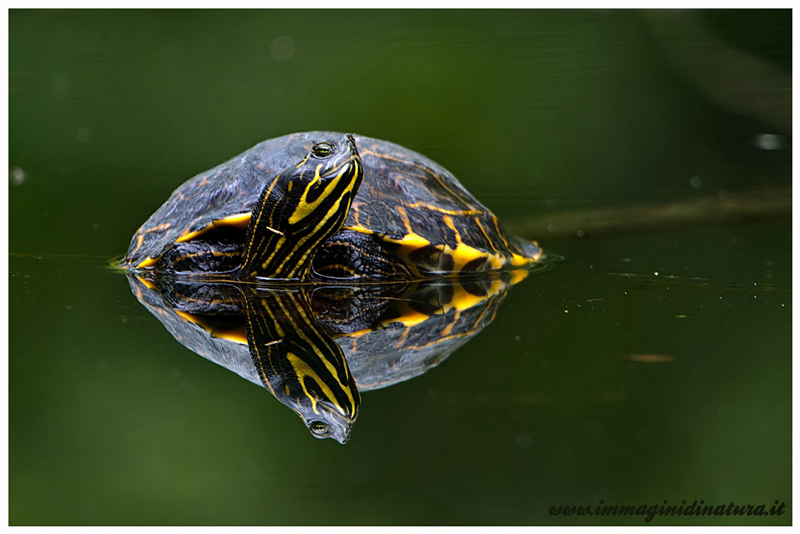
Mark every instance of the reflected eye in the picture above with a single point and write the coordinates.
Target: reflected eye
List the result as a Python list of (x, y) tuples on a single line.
[(322, 150), (318, 428)]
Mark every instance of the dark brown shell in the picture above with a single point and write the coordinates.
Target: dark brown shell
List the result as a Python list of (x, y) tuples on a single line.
[(402, 192)]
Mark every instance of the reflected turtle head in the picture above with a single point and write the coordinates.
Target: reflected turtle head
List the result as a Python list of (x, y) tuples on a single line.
[(329, 424), (324, 416)]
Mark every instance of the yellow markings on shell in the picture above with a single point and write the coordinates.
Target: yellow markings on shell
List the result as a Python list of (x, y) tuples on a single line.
[(485, 234), (402, 341), (147, 263), (410, 241), (463, 254), (149, 284), (358, 333), (446, 331), (518, 260), (464, 300), (239, 220), (461, 301), (444, 210), (365, 151), (189, 235), (139, 241), (236, 335), (188, 317), (409, 318), (406, 220), (499, 232), (358, 228), (449, 222), (159, 228), (518, 276)]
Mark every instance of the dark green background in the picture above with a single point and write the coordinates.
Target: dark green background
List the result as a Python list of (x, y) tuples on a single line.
[(112, 422)]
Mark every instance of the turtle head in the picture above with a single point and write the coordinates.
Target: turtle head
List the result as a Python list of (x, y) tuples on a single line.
[(328, 407), (318, 190), (300, 363), (328, 421), (301, 208)]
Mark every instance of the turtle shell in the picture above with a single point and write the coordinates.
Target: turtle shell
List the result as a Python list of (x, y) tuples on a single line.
[(404, 343), (387, 333), (415, 207)]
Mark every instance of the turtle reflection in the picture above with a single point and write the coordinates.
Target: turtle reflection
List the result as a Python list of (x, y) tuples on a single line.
[(316, 347)]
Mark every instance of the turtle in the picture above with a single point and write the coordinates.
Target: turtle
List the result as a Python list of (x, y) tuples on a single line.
[(322, 207), (316, 348)]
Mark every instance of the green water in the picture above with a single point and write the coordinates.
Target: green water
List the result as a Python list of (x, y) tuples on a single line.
[(642, 368)]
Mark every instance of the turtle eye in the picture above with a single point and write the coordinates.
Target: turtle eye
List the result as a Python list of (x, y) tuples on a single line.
[(322, 150), (320, 429)]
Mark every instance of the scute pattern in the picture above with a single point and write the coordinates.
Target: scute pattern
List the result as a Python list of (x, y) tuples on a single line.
[(414, 207)]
